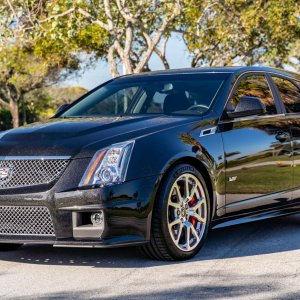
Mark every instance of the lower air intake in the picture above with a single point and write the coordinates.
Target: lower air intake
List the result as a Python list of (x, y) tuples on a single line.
[(25, 220)]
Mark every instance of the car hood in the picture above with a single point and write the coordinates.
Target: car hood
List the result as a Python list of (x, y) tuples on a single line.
[(81, 137)]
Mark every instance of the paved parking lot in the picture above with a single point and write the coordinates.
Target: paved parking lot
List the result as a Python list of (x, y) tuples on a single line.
[(251, 261)]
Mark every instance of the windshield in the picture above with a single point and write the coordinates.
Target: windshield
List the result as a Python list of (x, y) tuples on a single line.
[(171, 94)]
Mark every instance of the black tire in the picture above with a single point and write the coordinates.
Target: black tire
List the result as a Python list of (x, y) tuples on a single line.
[(161, 245), (9, 247)]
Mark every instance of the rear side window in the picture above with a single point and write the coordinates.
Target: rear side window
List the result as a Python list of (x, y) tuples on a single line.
[(289, 93), (254, 86)]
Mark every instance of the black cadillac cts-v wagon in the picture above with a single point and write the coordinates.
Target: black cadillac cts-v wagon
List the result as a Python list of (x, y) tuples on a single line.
[(155, 160)]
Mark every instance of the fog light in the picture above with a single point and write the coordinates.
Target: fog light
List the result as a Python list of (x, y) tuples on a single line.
[(97, 218)]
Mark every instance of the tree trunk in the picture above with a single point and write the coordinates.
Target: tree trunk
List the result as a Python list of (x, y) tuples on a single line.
[(14, 110), (112, 63), (24, 118)]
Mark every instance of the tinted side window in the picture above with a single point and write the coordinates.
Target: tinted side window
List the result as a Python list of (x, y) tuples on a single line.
[(254, 86), (289, 93)]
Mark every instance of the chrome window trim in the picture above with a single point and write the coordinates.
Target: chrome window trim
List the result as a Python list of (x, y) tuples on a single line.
[(175, 73), (289, 77), (251, 118)]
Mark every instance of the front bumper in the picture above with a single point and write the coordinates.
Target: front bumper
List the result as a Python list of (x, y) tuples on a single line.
[(127, 212)]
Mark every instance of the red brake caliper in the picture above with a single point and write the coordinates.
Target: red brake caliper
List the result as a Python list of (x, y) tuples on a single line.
[(192, 219)]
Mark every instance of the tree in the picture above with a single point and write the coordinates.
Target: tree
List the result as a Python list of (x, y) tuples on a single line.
[(42, 103), (293, 60), (129, 31), (27, 62), (240, 32), (216, 32)]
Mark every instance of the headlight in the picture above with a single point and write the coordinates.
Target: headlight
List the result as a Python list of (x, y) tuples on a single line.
[(108, 165)]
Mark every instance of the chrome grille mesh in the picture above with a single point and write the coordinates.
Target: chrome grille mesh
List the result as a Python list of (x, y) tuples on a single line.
[(27, 172), (25, 220)]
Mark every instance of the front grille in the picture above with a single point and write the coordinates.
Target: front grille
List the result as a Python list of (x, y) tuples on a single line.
[(25, 220), (19, 172)]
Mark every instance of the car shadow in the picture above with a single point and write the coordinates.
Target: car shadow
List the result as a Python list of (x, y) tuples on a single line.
[(257, 238)]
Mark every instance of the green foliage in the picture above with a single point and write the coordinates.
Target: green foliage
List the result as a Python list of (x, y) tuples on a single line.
[(126, 29), (294, 56), (42, 103), (223, 32), (72, 32), (28, 59), (241, 32), (65, 95)]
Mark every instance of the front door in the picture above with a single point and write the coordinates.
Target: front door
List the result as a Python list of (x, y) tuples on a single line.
[(258, 151)]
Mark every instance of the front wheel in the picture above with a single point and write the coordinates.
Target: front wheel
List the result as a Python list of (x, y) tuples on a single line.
[(181, 216), (9, 247)]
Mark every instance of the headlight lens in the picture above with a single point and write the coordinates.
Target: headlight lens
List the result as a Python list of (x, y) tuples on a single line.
[(108, 165)]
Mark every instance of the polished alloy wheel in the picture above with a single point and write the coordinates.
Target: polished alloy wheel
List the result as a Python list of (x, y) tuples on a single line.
[(187, 212)]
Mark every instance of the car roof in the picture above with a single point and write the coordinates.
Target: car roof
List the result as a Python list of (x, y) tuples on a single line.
[(236, 70)]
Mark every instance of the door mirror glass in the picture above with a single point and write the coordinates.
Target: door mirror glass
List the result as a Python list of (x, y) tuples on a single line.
[(247, 106)]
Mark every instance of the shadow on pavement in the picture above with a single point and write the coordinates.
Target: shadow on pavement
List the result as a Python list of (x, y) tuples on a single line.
[(217, 291), (270, 236), (249, 287)]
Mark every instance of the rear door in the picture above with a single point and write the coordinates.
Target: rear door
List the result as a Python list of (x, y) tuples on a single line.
[(289, 92), (257, 151)]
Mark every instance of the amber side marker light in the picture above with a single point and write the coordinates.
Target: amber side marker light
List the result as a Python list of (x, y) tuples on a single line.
[(94, 166)]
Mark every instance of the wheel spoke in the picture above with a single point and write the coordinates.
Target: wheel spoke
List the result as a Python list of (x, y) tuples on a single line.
[(198, 204), (186, 187), (192, 192), (198, 217), (175, 222), (174, 204), (194, 231), (187, 235), (176, 187), (179, 233)]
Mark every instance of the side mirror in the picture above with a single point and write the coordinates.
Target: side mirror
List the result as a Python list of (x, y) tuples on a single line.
[(61, 108), (247, 106)]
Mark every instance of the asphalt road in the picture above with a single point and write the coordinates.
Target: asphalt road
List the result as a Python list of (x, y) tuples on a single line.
[(251, 261)]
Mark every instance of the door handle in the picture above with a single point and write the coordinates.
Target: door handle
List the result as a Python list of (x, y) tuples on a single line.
[(282, 136)]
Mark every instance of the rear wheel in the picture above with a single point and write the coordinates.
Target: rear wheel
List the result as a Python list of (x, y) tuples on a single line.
[(181, 216), (9, 247)]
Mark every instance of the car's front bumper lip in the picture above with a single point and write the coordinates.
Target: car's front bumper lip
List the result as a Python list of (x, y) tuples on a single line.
[(127, 208), (113, 242)]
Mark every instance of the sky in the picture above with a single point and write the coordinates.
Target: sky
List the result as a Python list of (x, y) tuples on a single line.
[(99, 73)]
